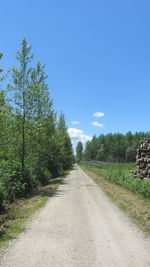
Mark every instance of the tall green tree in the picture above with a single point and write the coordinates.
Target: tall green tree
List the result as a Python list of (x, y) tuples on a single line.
[(2, 116), (79, 151), (64, 141), (20, 87), (4, 119), (42, 120)]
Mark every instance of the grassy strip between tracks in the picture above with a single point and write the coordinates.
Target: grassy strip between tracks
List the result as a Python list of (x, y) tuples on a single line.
[(135, 205), (12, 220)]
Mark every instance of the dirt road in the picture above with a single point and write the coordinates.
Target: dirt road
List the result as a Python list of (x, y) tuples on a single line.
[(79, 227)]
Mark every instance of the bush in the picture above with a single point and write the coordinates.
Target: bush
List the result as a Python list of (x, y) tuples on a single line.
[(11, 185), (45, 176)]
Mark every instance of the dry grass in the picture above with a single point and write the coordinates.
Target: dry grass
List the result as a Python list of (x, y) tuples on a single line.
[(137, 207)]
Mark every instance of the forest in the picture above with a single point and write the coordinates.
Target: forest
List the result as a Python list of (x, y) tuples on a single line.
[(34, 142), (111, 147)]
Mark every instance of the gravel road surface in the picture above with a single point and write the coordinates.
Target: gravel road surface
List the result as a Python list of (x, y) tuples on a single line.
[(79, 227)]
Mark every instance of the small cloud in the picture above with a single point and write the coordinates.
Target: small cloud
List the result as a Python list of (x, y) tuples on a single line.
[(75, 122), (95, 123), (77, 135), (98, 114)]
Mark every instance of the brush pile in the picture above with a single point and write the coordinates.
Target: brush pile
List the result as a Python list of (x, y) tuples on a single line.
[(143, 160)]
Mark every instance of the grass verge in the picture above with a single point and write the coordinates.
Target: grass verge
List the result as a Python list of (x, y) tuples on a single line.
[(137, 207), (12, 220)]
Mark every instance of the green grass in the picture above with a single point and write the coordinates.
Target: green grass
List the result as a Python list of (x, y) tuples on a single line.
[(12, 220), (120, 174), (137, 206)]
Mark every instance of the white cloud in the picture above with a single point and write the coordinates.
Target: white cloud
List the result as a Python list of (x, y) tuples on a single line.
[(75, 122), (78, 135), (98, 114), (95, 123)]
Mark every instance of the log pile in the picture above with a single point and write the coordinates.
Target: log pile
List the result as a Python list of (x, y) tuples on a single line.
[(143, 160)]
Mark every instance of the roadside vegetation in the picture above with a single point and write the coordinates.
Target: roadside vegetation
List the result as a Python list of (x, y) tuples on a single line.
[(132, 195), (12, 220), (119, 173), (34, 143)]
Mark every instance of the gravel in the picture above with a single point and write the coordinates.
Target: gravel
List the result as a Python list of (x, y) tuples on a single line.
[(79, 227)]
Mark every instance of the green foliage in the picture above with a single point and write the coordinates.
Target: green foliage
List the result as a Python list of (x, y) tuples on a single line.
[(130, 154), (11, 184), (34, 148), (65, 153), (114, 147), (120, 174), (79, 151)]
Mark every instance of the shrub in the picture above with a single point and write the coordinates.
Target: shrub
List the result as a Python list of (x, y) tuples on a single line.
[(11, 185)]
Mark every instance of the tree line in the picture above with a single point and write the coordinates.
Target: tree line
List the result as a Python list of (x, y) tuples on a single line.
[(34, 142), (111, 147)]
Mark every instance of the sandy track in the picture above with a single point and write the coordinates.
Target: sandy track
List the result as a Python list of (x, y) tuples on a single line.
[(79, 227)]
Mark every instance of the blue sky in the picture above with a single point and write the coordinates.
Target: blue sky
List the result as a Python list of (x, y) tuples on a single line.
[(97, 55)]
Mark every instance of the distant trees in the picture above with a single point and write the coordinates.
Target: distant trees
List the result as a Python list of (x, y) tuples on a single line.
[(113, 147), (66, 151), (79, 151), (34, 144)]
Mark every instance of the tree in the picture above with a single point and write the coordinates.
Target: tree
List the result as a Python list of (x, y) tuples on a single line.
[(114, 147), (64, 141), (79, 151), (130, 154), (4, 116), (20, 87), (4, 120), (34, 145), (87, 151), (42, 120)]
